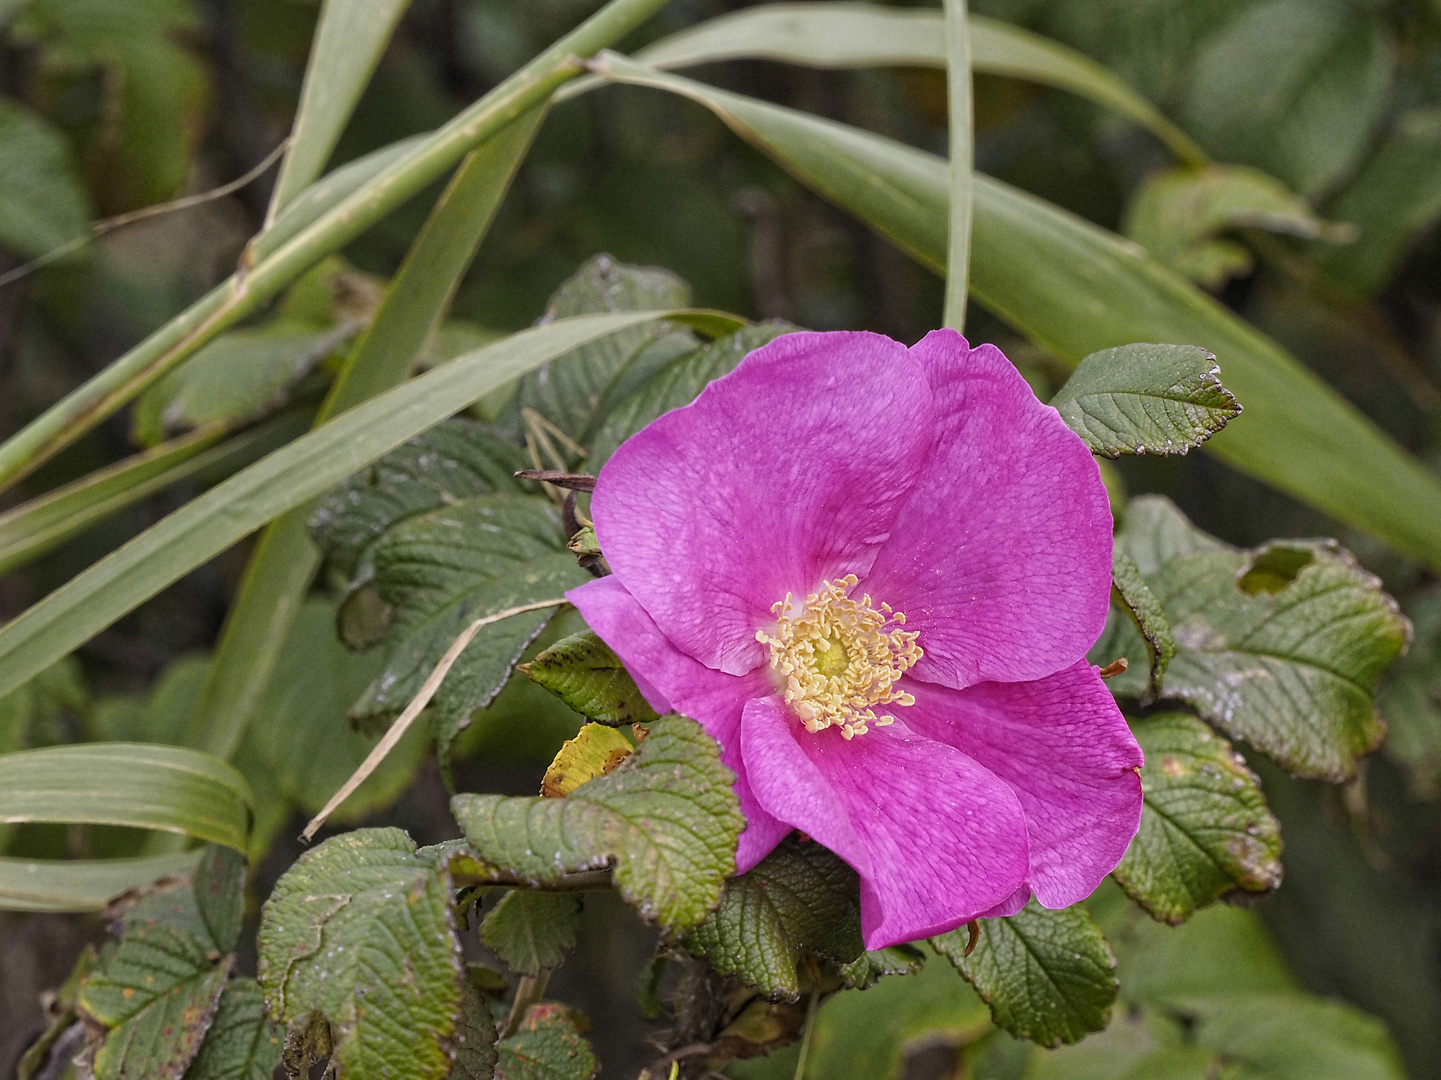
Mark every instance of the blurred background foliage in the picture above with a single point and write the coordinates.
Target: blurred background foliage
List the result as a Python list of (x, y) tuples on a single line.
[(1318, 225)]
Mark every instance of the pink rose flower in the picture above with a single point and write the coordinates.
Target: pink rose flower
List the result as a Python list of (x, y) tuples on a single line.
[(872, 573)]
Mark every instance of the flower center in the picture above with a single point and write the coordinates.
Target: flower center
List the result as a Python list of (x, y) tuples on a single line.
[(838, 659)]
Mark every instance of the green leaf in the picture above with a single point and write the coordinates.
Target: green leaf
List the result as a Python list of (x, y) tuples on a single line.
[(571, 389), (666, 821), (1146, 399), (677, 384), (1047, 975), (238, 378), (799, 899), (1075, 289), (42, 201), (584, 673), (301, 737), (870, 967), (452, 462), (1396, 196), (1410, 701), (1295, 1037), (867, 35), (241, 1043), (359, 930), (1129, 590), (1205, 829), (1281, 646), (866, 1033), (146, 787), (546, 1046), (1178, 216), (157, 991), (445, 569), (475, 1053), (287, 478), (1293, 87), (532, 931), (349, 40)]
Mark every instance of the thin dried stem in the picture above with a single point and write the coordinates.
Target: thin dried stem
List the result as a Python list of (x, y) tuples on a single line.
[(414, 709)]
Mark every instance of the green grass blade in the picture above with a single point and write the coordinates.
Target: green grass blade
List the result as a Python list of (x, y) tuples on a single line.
[(285, 560), (842, 35), (138, 785), (83, 884), (349, 39), (33, 528), (958, 97), (290, 477), (1076, 289), (263, 277)]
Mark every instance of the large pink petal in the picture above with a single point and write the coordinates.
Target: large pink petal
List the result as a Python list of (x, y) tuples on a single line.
[(785, 473), (937, 840), (672, 682), (1065, 747), (1001, 558)]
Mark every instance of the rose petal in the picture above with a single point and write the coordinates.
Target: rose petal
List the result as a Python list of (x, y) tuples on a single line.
[(936, 838), (673, 682), (1001, 558), (1011, 905), (785, 473), (1062, 743)]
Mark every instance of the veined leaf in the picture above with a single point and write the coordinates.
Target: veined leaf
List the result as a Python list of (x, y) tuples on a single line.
[(546, 1046), (532, 931), (1075, 289), (348, 42), (475, 1053), (799, 899), (146, 787), (287, 478), (443, 570), (677, 384), (359, 930), (867, 35), (1129, 590), (157, 992), (1146, 399), (242, 1044), (1047, 975), (453, 461), (1281, 646), (586, 674), (1205, 829), (570, 391), (666, 821)]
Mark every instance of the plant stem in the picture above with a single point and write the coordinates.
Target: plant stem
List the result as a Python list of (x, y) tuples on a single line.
[(958, 82), (806, 1032), (529, 991), (255, 283)]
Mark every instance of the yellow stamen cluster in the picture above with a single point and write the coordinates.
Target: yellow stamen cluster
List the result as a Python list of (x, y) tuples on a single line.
[(838, 660)]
